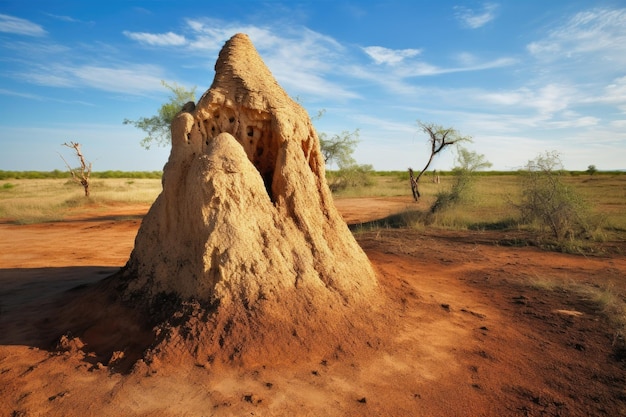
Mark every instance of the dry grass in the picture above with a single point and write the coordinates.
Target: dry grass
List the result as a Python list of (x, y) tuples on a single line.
[(41, 200), (384, 186), (492, 205), (32, 200), (605, 297)]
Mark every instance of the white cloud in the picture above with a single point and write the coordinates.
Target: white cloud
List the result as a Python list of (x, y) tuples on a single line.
[(37, 97), (28, 96), (546, 100), (614, 93), (599, 32), (575, 122), (63, 18), (132, 79), (299, 58), (398, 74), (382, 55), (137, 79), (405, 129), (157, 39), (211, 34), (11, 24), (619, 124), (476, 19)]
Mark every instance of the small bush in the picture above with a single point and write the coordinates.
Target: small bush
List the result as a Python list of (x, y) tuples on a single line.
[(468, 163), (459, 192), (550, 205), (351, 176)]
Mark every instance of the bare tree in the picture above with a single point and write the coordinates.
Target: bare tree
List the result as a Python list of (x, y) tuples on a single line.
[(81, 174), (439, 138)]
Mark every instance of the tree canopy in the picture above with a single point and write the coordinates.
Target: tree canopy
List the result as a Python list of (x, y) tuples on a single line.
[(339, 148), (157, 127)]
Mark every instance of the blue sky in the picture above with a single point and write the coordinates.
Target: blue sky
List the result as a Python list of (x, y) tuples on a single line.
[(520, 77)]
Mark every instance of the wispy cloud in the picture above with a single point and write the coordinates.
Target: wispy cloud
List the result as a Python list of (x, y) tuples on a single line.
[(615, 92), (311, 55), (137, 79), (36, 50), (63, 18), (18, 26), (601, 32), (132, 79), (29, 96), (36, 97), (475, 19), (546, 100), (157, 39), (402, 67), (382, 55)]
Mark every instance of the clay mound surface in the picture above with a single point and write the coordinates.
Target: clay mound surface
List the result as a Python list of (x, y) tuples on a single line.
[(243, 258)]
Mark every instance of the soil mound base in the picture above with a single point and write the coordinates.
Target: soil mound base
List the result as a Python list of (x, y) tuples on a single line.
[(98, 326)]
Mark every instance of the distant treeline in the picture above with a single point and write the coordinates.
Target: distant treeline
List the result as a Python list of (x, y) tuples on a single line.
[(58, 174), (403, 174)]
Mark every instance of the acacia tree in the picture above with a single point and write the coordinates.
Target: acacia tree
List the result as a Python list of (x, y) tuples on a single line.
[(591, 169), (158, 126), (439, 138), (339, 148), (81, 174)]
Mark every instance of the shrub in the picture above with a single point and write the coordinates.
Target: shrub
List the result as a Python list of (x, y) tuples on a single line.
[(350, 176), (468, 162), (556, 208)]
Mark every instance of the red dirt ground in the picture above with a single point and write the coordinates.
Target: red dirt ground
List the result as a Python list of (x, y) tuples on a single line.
[(479, 332)]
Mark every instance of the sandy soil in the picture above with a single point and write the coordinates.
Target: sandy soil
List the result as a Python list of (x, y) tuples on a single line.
[(477, 333)]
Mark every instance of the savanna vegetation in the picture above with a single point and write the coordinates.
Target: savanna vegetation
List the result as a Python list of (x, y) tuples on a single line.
[(34, 200), (498, 201), (490, 200)]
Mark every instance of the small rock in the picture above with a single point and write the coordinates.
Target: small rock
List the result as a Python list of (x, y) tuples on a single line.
[(252, 398)]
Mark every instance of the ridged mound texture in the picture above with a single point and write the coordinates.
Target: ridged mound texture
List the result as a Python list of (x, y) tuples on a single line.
[(243, 255)]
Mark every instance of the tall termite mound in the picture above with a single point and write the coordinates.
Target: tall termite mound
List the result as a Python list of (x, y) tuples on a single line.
[(244, 243)]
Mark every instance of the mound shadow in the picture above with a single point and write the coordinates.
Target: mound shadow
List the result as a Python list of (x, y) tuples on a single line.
[(47, 308)]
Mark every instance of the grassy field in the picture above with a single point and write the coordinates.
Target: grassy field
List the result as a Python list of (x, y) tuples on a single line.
[(494, 197), (492, 202), (40, 200)]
